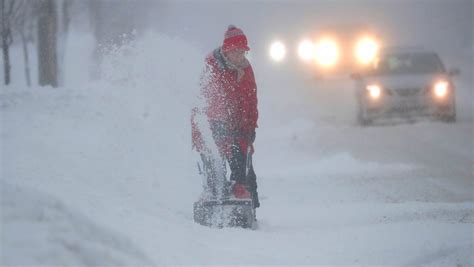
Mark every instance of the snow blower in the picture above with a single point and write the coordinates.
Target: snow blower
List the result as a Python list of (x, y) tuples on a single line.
[(217, 206)]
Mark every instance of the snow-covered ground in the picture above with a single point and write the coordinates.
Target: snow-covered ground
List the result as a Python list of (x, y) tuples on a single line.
[(101, 173)]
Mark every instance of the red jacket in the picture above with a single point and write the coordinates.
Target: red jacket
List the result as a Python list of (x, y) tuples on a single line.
[(228, 100)]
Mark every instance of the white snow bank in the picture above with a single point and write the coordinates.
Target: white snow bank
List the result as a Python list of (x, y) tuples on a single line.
[(39, 229)]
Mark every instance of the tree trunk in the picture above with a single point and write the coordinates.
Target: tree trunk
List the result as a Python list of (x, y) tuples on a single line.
[(6, 40), (47, 44), (26, 58), (6, 62)]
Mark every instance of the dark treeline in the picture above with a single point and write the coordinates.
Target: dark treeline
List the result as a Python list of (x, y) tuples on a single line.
[(45, 24)]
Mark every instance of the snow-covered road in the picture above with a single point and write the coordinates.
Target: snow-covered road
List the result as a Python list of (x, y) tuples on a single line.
[(333, 193)]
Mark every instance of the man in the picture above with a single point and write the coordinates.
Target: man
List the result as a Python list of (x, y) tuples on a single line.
[(230, 92)]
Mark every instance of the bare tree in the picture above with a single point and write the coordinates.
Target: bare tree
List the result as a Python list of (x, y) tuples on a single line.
[(16, 20), (47, 43), (23, 26), (7, 11)]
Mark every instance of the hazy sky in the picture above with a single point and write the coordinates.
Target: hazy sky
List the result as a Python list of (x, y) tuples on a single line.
[(444, 24)]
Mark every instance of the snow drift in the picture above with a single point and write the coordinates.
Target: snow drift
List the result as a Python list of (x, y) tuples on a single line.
[(38, 229)]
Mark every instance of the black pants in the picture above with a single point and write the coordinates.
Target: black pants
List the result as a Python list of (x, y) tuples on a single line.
[(237, 162)]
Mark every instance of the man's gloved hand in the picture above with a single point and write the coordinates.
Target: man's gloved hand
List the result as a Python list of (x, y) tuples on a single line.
[(252, 136)]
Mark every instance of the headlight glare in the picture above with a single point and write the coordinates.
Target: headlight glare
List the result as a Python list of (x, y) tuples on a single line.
[(366, 50), (326, 52), (441, 89), (277, 51), (305, 50), (374, 90)]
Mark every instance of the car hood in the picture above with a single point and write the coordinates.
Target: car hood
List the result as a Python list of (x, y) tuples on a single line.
[(404, 81)]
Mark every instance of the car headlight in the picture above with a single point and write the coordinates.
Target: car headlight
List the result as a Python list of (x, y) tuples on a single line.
[(306, 50), (366, 50), (326, 52), (441, 89), (277, 51), (374, 91)]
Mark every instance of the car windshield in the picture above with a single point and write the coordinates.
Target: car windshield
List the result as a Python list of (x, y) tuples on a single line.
[(413, 63)]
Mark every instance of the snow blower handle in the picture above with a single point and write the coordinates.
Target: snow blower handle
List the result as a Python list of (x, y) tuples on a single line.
[(248, 162)]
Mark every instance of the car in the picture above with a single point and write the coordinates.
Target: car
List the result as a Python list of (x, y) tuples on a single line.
[(405, 82)]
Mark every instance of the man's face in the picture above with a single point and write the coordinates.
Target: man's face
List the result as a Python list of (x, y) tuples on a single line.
[(236, 56)]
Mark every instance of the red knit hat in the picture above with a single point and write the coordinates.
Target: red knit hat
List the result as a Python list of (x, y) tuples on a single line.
[(234, 38)]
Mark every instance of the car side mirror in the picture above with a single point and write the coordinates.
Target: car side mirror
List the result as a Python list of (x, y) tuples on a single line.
[(454, 72), (355, 76)]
